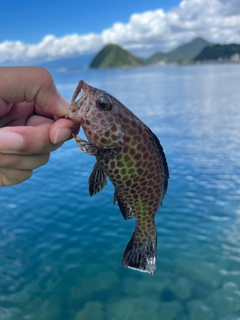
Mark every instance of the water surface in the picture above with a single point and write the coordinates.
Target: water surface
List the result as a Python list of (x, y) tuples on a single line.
[(60, 250)]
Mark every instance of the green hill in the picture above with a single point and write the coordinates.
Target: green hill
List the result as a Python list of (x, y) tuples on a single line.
[(185, 52), (218, 51), (113, 56), (156, 57)]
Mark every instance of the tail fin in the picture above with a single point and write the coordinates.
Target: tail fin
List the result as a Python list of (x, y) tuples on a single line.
[(141, 255)]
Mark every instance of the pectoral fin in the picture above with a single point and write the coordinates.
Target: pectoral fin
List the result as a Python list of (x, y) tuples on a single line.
[(97, 180), (124, 207), (85, 146)]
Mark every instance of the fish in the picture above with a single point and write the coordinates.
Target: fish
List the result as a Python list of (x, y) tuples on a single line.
[(131, 156)]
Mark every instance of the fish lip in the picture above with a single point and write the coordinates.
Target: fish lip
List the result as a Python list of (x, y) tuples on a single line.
[(82, 86), (76, 105)]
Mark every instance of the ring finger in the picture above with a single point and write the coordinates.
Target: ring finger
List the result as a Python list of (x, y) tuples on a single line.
[(22, 162)]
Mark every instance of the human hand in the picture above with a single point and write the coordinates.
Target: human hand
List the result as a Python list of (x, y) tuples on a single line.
[(30, 123)]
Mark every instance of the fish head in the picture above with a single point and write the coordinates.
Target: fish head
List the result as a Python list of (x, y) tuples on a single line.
[(97, 112)]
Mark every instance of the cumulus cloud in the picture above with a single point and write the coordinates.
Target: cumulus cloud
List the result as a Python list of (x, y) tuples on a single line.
[(217, 21)]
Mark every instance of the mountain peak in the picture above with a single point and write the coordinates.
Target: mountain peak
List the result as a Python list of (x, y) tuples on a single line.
[(114, 56), (185, 52)]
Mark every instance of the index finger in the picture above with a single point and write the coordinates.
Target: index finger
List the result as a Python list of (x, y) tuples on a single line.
[(18, 84)]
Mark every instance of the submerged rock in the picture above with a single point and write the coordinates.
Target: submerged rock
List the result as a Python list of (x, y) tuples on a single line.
[(182, 288), (204, 272), (170, 310), (225, 300), (230, 317), (198, 310), (142, 309), (145, 286), (91, 310), (89, 286)]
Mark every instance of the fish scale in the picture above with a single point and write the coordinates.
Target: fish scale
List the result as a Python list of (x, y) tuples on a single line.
[(131, 156)]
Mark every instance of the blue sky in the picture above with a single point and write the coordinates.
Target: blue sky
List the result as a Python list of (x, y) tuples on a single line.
[(38, 31), (29, 21)]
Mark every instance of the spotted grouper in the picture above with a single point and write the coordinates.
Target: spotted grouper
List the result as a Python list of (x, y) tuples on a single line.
[(131, 156)]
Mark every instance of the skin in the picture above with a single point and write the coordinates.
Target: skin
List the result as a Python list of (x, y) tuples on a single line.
[(30, 123)]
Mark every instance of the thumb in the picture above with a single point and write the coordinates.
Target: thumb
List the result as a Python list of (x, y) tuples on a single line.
[(18, 84)]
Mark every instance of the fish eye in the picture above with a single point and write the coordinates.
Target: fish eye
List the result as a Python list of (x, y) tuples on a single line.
[(104, 103)]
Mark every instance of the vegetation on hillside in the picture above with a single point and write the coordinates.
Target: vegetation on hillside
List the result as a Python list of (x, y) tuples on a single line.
[(113, 56), (186, 52), (218, 51)]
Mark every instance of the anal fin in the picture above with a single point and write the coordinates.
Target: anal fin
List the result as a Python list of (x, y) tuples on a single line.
[(97, 180), (124, 207)]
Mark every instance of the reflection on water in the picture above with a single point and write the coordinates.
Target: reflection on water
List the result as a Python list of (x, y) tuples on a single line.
[(60, 250)]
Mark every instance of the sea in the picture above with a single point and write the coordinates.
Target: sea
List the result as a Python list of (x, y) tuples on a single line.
[(60, 249)]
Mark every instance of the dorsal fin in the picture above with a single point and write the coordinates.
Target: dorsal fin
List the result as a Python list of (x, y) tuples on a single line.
[(162, 159)]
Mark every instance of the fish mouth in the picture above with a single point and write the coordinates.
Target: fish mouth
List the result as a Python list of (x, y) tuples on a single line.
[(80, 94), (81, 89)]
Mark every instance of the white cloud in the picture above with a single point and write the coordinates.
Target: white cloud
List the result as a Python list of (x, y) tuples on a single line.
[(216, 20)]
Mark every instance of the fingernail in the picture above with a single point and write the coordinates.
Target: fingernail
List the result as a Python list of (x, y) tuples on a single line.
[(62, 134), (63, 106), (10, 141)]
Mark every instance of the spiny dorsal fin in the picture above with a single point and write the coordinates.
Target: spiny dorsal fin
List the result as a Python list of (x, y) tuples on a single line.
[(162, 158)]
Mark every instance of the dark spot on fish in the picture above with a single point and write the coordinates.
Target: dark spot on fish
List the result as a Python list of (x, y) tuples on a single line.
[(103, 123), (137, 138), (103, 140), (138, 156), (99, 115), (112, 164), (114, 128), (140, 131), (107, 134), (139, 163), (125, 120), (132, 131), (127, 139), (144, 149), (132, 151), (145, 163), (94, 120), (133, 124), (128, 183), (150, 175), (114, 137), (134, 186)]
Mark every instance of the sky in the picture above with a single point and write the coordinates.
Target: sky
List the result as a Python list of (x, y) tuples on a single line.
[(45, 30)]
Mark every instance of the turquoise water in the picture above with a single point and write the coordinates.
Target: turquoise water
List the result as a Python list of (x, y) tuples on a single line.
[(60, 250)]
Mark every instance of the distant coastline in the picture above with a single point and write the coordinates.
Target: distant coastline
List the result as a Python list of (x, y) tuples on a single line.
[(198, 51)]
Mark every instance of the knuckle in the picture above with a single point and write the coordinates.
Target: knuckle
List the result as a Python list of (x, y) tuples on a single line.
[(41, 160), (45, 77), (21, 175)]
